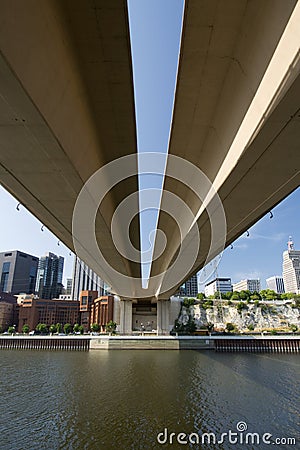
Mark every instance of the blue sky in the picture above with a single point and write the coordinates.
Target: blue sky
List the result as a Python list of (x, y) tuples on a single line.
[(155, 35), (155, 30), (260, 254)]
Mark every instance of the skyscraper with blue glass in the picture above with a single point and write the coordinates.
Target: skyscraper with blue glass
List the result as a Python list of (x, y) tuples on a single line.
[(49, 276)]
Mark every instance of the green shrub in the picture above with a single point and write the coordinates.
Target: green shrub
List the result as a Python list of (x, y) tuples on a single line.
[(67, 328), (53, 329), (42, 328), (230, 327), (240, 306), (95, 327), (25, 329), (111, 327), (187, 302)]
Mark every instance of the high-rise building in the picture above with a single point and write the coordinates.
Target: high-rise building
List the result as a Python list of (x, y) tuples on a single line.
[(291, 269), (18, 272), (69, 286), (247, 285), (85, 279), (49, 276), (191, 286), (222, 285), (276, 284)]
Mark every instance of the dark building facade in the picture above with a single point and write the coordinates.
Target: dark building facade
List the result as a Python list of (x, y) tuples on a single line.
[(18, 272), (50, 312), (49, 276), (191, 286)]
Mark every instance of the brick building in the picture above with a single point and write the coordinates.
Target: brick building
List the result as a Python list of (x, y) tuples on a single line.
[(86, 299), (8, 311), (102, 311), (34, 311)]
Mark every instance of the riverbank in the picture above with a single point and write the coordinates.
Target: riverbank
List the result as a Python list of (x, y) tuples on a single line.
[(251, 344)]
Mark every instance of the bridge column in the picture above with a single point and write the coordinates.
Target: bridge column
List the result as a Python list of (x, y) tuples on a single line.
[(126, 316), (163, 317)]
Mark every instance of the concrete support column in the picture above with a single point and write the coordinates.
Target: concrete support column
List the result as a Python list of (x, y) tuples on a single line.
[(126, 316), (163, 317)]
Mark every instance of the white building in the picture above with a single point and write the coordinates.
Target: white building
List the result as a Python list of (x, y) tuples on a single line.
[(291, 269), (222, 285), (85, 279), (276, 284), (247, 285)]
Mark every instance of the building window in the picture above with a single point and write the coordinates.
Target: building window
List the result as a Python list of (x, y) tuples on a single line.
[(4, 276)]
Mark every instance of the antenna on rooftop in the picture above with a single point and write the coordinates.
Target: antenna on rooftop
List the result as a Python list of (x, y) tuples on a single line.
[(290, 244)]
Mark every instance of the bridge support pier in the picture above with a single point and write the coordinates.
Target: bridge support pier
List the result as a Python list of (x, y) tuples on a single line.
[(163, 317), (126, 316)]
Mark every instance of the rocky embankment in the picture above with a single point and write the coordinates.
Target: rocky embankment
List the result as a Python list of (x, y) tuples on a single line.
[(251, 316)]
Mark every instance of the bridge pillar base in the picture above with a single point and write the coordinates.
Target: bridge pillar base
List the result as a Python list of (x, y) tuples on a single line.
[(163, 317), (126, 316)]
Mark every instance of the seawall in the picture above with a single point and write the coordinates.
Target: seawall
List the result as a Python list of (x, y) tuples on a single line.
[(250, 344)]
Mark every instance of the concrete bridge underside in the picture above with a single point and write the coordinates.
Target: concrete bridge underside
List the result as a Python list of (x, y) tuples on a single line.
[(67, 108)]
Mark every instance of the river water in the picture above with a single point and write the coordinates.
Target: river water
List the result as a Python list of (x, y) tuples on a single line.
[(136, 399)]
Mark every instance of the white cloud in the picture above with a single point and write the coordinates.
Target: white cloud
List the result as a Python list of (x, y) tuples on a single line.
[(275, 237), (238, 276)]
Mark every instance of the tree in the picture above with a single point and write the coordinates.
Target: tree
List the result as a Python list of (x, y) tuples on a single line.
[(200, 296), (58, 327), (293, 328), (191, 326), (53, 329), (219, 295), (25, 329), (268, 294), (76, 328), (250, 327), (42, 328), (240, 306), (67, 328), (255, 296), (235, 296), (244, 295), (228, 295), (287, 296), (11, 330), (95, 327), (81, 329), (111, 327), (187, 302)]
